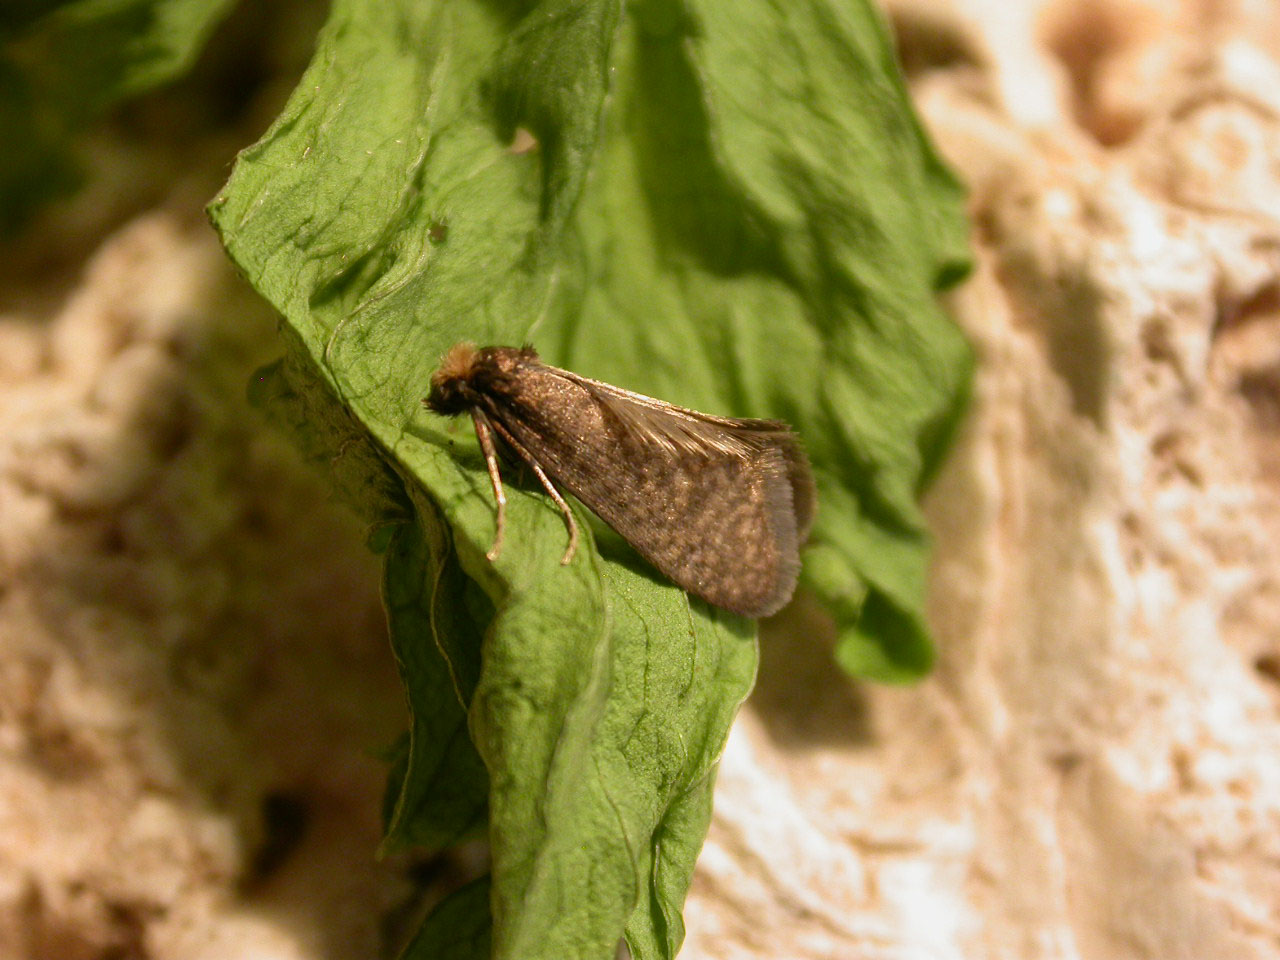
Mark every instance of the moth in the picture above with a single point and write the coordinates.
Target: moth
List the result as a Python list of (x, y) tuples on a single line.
[(719, 505)]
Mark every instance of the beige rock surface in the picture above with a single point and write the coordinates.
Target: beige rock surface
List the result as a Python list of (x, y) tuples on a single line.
[(1094, 770), (175, 587)]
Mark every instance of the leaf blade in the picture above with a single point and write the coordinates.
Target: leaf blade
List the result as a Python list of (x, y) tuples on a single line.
[(387, 217)]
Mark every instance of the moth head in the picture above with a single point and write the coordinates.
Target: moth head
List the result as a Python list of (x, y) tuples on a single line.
[(451, 391)]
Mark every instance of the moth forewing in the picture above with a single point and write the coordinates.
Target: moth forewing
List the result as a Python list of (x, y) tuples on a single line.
[(719, 505), (666, 423), (669, 424)]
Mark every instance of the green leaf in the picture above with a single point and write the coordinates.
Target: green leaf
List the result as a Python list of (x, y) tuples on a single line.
[(35, 167), (458, 929), (62, 63), (17, 15), (606, 798), (764, 233), (439, 797), (330, 439), (96, 52), (754, 225)]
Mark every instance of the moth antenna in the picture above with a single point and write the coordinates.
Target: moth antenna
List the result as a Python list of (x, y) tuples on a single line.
[(484, 433)]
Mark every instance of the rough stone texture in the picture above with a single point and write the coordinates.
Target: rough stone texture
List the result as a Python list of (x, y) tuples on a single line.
[(1094, 770), (193, 659)]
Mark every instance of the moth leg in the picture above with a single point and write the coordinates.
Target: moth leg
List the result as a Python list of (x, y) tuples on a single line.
[(484, 433), (569, 522), (547, 485)]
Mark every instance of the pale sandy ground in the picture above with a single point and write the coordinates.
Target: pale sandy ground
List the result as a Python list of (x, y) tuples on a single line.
[(193, 667)]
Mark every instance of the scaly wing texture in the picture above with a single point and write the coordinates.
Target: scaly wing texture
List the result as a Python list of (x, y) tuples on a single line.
[(682, 427), (711, 502)]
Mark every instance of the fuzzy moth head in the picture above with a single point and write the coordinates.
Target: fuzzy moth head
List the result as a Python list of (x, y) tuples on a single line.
[(451, 392)]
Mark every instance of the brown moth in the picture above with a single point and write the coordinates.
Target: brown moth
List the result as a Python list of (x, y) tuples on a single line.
[(719, 505)]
